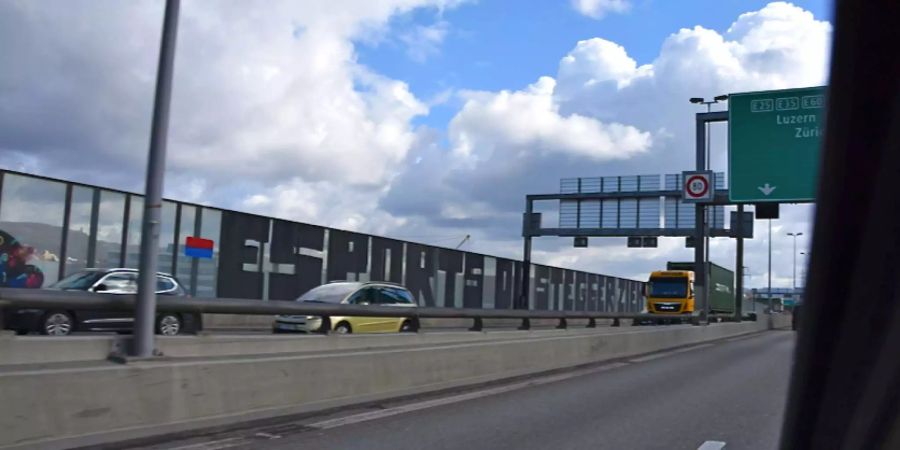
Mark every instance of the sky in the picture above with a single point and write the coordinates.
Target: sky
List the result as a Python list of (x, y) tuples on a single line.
[(425, 120)]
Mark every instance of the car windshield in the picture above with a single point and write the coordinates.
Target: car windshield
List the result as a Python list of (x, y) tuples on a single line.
[(328, 293), (78, 281), (668, 287)]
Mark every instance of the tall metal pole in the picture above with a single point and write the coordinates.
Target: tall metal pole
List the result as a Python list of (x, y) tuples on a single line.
[(739, 266), (794, 281), (771, 310), (708, 142), (145, 309), (707, 163), (805, 271), (701, 301), (526, 257), (753, 298)]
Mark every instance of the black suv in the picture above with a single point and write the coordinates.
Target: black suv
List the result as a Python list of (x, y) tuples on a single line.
[(61, 322)]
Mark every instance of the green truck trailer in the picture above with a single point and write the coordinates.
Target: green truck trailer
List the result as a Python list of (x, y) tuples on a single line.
[(721, 285)]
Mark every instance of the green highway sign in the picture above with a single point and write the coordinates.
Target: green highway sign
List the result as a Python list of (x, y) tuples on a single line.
[(773, 144)]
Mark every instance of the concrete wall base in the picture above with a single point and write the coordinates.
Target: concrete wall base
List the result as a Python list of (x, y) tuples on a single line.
[(89, 404)]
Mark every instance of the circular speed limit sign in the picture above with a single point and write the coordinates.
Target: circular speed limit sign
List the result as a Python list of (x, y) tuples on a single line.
[(697, 186)]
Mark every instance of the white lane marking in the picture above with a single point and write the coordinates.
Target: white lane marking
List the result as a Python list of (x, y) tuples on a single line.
[(712, 445), (668, 353), (687, 349), (214, 445), (372, 415), (268, 435)]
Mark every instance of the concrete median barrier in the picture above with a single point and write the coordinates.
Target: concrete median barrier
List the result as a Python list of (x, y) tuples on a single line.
[(22, 350), (52, 349), (61, 405)]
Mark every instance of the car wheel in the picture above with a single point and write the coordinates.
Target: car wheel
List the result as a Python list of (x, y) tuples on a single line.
[(406, 326), (21, 332), (168, 325), (57, 323), (343, 328)]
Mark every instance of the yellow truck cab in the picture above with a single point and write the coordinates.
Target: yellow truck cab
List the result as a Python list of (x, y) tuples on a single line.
[(670, 292)]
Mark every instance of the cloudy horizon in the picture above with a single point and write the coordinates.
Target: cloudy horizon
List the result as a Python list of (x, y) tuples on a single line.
[(412, 119)]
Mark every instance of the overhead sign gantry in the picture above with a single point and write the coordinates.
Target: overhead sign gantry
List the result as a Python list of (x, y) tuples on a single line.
[(773, 154)]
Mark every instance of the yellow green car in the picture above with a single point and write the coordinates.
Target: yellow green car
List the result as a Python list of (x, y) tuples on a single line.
[(353, 293)]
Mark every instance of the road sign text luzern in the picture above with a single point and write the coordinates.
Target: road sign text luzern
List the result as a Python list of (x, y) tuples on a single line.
[(773, 149)]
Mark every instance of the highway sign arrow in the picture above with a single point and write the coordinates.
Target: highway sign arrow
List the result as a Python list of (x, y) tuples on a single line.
[(766, 190)]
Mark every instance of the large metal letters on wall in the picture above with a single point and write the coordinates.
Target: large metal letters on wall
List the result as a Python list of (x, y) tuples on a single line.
[(436, 276), (51, 225)]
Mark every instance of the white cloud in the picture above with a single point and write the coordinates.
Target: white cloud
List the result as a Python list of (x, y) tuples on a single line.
[(529, 121), (423, 42), (598, 61), (507, 144), (596, 9), (273, 112), (779, 46), (323, 202), (263, 90), (286, 105)]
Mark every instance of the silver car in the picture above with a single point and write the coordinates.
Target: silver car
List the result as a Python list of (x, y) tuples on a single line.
[(353, 293)]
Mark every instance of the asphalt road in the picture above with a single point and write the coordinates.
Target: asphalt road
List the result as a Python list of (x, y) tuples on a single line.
[(730, 391)]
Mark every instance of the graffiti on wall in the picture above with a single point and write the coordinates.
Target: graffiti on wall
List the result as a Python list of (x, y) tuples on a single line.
[(15, 270)]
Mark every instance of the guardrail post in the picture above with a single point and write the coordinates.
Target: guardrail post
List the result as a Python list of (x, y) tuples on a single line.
[(326, 325), (526, 324), (615, 322), (476, 324), (198, 323), (562, 324), (416, 325), (592, 323)]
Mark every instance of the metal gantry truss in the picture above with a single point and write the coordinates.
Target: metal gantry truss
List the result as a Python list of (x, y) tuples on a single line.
[(531, 226)]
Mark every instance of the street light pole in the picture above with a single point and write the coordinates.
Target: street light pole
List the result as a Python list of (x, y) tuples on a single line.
[(703, 101), (752, 299), (701, 214), (794, 280), (806, 268), (145, 307), (769, 290)]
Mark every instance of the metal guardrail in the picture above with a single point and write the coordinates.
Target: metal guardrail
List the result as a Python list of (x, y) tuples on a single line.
[(68, 300)]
